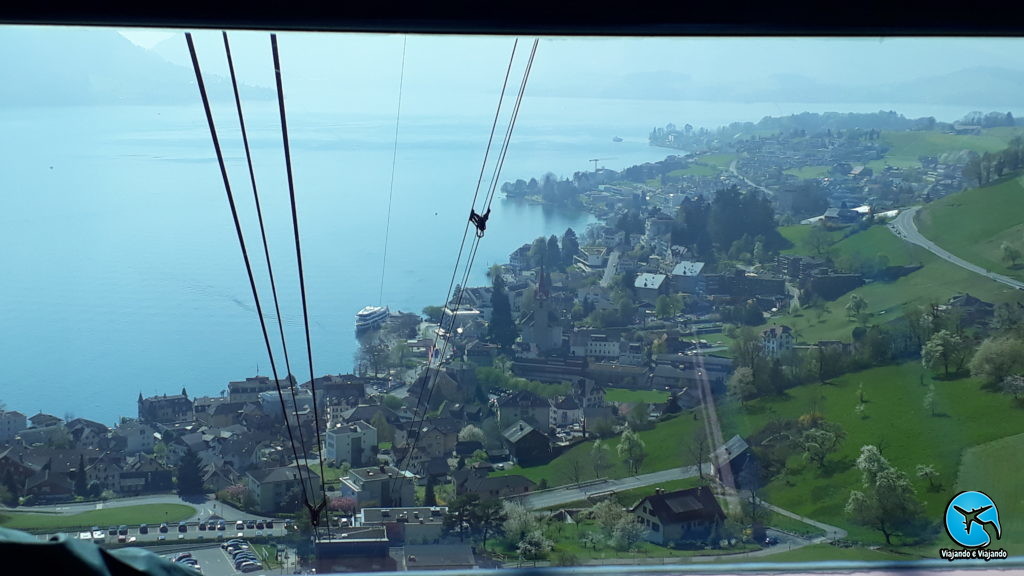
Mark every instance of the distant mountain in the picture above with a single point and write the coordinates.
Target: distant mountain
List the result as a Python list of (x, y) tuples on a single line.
[(973, 87), (62, 66)]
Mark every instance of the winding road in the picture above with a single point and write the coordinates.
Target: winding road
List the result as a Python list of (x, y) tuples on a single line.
[(904, 227)]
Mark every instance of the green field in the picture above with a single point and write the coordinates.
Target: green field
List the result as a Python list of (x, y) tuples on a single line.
[(937, 281), (907, 147), (130, 515), (700, 169), (665, 449), (568, 537), (796, 235), (974, 224), (635, 396), (775, 520), (807, 172), (720, 161), (966, 416), (994, 468)]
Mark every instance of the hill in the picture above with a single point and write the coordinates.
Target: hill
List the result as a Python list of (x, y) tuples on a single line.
[(975, 223), (81, 66)]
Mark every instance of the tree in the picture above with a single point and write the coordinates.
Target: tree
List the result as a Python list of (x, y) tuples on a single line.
[(607, 514), (998, 358), (502, 329), (822, 440), (698, 450), (741, 384), (429, 493), (385, 431), (518, 521), (471, 433), (392, 402), (856, 306), (666, 306), (627, 534), (534, 546), (818, 241), (346, 506), (570, 247), (888, 502), (639, 417), (434, 313), (1011, 254), (553, 255), (945, 349), (1014, 386), (81, 484), (486, 518), (929, 399), (574, 468), (459, 511), (599, 458), (928, 472), (632, 450), (190, 475)]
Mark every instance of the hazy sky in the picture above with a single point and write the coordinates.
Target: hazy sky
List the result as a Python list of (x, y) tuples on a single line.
[(836, 60)]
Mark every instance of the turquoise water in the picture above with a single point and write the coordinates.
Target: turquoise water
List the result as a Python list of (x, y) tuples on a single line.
[(122, 273)]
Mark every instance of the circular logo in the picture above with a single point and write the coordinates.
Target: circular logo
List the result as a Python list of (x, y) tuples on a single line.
[(966, 517)]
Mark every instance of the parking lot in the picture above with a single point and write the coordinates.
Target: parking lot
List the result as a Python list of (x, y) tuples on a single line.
[(212, 560)]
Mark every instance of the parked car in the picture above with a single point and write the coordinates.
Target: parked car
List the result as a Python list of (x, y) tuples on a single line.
[(163, 526), (122, 530), (143, 528), (270, 524), (259, 524), (112, 531), (202, 526), (182, 527), (239, 525), (251, 525), (221, 525)]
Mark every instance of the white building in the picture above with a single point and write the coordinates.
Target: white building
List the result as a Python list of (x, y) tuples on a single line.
[(10, 424), (139, 436), (776, 341), (354, 443), (270, 402)]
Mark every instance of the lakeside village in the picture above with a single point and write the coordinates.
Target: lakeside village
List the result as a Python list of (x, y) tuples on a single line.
[(590, 357)]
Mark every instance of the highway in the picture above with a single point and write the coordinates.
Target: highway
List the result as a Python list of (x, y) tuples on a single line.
[(904, 227)]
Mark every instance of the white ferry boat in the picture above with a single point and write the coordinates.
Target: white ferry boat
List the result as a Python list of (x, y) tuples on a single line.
[(371, 317)]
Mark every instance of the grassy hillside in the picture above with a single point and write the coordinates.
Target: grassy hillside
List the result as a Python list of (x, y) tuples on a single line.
[(895, 416), (666, 445), (973, 224), (935, 282), (906, 147)]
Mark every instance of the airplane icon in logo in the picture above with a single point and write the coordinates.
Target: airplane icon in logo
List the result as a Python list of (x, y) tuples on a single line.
[(971, 517), (967, 509)]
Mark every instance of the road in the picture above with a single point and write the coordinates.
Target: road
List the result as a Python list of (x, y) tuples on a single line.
[(904, 227), (732, 168), (566, 494), (205, 506), (610, 269)]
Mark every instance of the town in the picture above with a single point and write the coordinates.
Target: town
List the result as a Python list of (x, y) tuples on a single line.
[(708, 371)]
